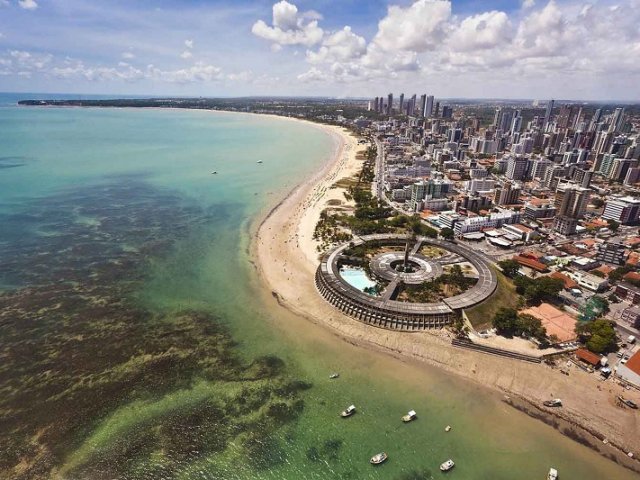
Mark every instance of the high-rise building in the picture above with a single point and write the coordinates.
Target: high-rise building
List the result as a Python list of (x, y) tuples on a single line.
[(390, 104), (517, 168), (428, 110), (547, 114), (423, 105), (595, 120), (624, 210), (605, 165), (447, 112), (401, 106), (633, 176), (571, 203), (620, 168), (508, 194), (617, 120)]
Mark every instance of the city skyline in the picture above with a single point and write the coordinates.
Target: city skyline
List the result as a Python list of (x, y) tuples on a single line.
[(510, 50)]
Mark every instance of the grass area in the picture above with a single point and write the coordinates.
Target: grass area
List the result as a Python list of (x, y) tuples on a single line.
[(505, 296)]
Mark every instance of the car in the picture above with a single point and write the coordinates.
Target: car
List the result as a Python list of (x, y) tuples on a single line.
[(623, 361), (626, 356), (619, 354)]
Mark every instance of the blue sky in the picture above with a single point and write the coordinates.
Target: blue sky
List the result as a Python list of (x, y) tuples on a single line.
[(586, 49)]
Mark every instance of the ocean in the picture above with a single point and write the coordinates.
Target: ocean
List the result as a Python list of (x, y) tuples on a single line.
[(137, 342)]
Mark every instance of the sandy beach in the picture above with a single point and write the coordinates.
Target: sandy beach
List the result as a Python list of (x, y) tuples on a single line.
[(287, 257)]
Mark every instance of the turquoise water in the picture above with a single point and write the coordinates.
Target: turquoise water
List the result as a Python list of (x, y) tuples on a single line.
[(113, 231), (357, 278)]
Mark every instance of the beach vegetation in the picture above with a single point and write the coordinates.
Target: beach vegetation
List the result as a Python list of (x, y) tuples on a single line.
[(598, 335), (505, 296), (509, 323)]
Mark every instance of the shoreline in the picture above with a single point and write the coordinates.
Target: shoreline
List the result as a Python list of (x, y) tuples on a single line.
[(283, 253)]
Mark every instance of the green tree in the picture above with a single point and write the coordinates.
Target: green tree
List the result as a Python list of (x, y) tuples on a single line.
[(509, 267), (597, 202), (613, 225), (447, 233), (505, 321), (598, 335)]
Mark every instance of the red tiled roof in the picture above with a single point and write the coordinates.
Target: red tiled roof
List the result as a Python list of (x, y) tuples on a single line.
[(633, 276), (587, 356), (634, 363), (568, 282), (529, 262)]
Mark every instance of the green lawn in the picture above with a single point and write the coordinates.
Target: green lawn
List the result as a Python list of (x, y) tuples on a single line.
[(505, 295)]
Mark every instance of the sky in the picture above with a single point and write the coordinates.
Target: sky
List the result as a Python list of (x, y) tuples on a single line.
[(528, 49)]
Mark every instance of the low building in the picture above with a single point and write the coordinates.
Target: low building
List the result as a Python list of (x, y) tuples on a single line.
[(628, 292), (631, 316), (524, 233), (529, 262), (586, 356), (589, 281), (557, 323), (612, 252), (569, 284)]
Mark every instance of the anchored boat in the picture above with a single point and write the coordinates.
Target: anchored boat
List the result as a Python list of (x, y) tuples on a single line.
[(379, 458), (552, 403), (448, 465), (334, 375), (350, 410), (553, 474), (409, 416)]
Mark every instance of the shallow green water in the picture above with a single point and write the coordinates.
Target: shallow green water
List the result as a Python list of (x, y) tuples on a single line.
[(118, 209)]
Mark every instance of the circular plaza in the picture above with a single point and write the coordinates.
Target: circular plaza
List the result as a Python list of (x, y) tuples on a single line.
[(411, 284)]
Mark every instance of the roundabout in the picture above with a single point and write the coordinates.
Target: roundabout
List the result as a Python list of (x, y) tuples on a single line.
[(397, 274)]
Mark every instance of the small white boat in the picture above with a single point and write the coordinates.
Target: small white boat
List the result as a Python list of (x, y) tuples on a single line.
[(556, 402), (334, 375), (259, 161), (553, 474), (379, 458), (409, 416), (447, 428), (448, 465), (215, 172), (348, 412)]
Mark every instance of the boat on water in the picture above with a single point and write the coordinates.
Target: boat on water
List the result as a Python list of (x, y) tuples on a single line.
[(447, 428), (553, 474), (259, 161), (628, 403), (350, 410), (215, 172), (409, 416), (379, 458), (448, 465), (334, 375), (556, 402)]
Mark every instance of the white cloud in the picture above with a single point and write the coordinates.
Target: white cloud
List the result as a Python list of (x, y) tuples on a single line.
[(188, 44), (418, 27), (289, 27), (128, 55), (486, 30), (28, 61), (28, 4), (342, 45), (528, 3), (186, 54), (4, 3)]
